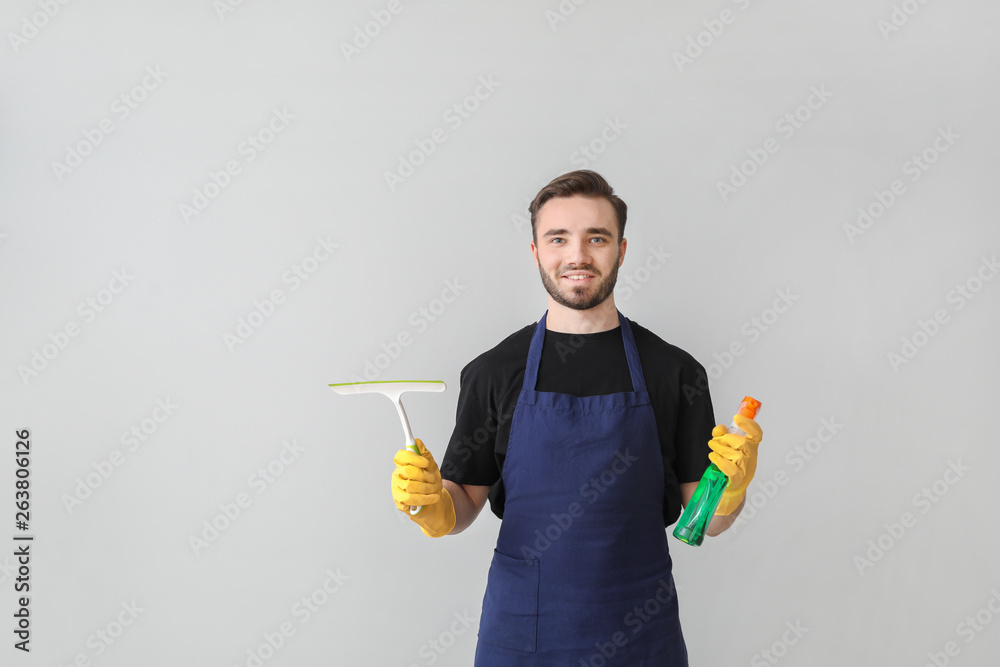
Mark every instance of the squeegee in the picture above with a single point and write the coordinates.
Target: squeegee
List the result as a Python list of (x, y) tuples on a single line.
[(393, 389)]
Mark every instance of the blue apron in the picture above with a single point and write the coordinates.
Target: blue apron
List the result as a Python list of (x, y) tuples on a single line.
[(581, 574)]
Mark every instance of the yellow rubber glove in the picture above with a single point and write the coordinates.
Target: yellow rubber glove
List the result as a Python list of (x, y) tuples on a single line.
[(736, 456), (417, 481)]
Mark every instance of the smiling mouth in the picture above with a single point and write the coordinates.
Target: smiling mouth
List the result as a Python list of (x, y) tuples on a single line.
[(578, 277)]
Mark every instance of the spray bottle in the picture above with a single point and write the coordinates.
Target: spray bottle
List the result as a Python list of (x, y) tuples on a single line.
[(699, 512)]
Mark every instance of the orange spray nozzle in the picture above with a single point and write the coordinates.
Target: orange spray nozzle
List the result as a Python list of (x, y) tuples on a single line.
[(749, 407)]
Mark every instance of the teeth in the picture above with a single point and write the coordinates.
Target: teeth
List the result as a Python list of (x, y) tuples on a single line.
[(577, 277)]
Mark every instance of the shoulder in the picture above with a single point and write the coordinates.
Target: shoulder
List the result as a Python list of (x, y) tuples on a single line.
[(502, 359), (659, 353)]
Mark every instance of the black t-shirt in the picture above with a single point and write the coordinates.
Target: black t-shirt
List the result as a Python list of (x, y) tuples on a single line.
[(581, 365)]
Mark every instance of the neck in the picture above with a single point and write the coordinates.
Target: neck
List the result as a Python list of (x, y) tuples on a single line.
[(603, 317)]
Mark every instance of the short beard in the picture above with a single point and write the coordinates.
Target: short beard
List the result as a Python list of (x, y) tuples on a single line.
[(604, 288)]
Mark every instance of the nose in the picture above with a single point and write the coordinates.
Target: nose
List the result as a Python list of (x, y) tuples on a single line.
[(578, 253)]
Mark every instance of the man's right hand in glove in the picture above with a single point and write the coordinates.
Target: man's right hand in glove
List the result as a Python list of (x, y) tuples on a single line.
[(417, 481)]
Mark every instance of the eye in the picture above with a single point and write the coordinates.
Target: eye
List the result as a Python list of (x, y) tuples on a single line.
[(554, 239), (599, 238)]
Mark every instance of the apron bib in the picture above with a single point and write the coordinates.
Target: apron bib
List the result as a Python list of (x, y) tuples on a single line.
[(581, 573)]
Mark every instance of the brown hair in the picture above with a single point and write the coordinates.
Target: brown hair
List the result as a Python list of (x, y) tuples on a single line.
[(582, 182)]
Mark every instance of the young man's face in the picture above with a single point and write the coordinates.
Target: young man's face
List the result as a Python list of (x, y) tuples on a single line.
[(577, 251)]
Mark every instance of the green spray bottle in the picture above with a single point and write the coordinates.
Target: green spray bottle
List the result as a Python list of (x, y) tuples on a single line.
[(698, 514)]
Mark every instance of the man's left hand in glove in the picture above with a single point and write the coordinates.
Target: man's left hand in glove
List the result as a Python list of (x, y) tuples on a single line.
[(736, 456)]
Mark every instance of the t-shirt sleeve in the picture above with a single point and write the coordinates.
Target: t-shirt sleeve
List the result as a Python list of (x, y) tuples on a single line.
[(470, 458), (695, 421)]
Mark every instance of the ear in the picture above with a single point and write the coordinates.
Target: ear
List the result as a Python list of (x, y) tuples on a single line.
[(534, 253), (621, 251)]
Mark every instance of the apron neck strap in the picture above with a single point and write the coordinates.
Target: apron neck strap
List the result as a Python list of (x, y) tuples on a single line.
[(631, 354)]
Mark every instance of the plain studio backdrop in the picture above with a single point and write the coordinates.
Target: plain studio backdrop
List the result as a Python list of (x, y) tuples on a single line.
[(212, 210)]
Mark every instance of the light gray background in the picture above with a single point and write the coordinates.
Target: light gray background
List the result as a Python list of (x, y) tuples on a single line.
[(461, 217)]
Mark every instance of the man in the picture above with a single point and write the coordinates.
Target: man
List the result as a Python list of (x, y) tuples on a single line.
[(586, 432)]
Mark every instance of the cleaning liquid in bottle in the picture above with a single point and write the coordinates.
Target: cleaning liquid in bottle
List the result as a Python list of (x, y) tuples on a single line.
[(699, 512)]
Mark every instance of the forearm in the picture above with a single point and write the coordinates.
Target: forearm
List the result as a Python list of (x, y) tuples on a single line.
[(466, 509), (721, 522)]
